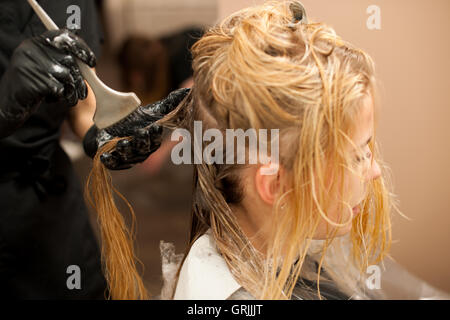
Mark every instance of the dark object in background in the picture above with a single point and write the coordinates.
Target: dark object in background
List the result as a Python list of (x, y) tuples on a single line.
[(180, 59), (152, 68)]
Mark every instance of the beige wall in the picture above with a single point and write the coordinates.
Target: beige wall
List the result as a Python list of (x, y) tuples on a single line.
[(411, 52), (154, 18)]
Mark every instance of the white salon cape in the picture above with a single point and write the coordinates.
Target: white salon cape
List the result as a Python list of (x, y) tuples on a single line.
[(205, 274)]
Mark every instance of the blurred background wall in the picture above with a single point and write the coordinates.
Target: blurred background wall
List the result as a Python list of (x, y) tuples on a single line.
[(155, 18), (411, 52)]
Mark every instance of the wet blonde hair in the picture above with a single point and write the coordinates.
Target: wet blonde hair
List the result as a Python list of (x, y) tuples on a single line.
[(256, 70)]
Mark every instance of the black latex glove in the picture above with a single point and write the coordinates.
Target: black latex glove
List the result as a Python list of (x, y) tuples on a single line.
[(42, 68), (145, 136)]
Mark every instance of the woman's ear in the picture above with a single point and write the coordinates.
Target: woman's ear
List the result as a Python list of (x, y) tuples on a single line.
[(268, 185)]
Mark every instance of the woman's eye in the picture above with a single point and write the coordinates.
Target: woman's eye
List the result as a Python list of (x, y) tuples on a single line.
[(367, 156)]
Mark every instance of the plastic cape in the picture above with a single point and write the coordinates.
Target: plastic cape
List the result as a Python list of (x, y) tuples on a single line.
[(397, 283), (206, 276)]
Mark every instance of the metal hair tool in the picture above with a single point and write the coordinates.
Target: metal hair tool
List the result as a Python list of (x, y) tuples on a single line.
[(298, 14)]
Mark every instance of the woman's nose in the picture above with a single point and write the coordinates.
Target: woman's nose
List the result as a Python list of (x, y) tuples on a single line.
[(375, 171)]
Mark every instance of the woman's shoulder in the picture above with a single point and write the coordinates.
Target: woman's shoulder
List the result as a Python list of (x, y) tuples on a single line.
[(205, 274)]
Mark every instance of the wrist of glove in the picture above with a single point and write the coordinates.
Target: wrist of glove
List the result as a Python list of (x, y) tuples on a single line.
[(42, 68), (141, 137)]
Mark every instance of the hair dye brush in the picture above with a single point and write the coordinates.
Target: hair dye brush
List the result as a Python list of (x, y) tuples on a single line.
[(112, 106)]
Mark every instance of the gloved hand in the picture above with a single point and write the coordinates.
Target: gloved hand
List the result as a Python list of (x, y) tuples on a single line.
[(42, 68), (139, 126)]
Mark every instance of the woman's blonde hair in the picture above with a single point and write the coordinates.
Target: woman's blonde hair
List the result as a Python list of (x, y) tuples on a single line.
[(257, 69)]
